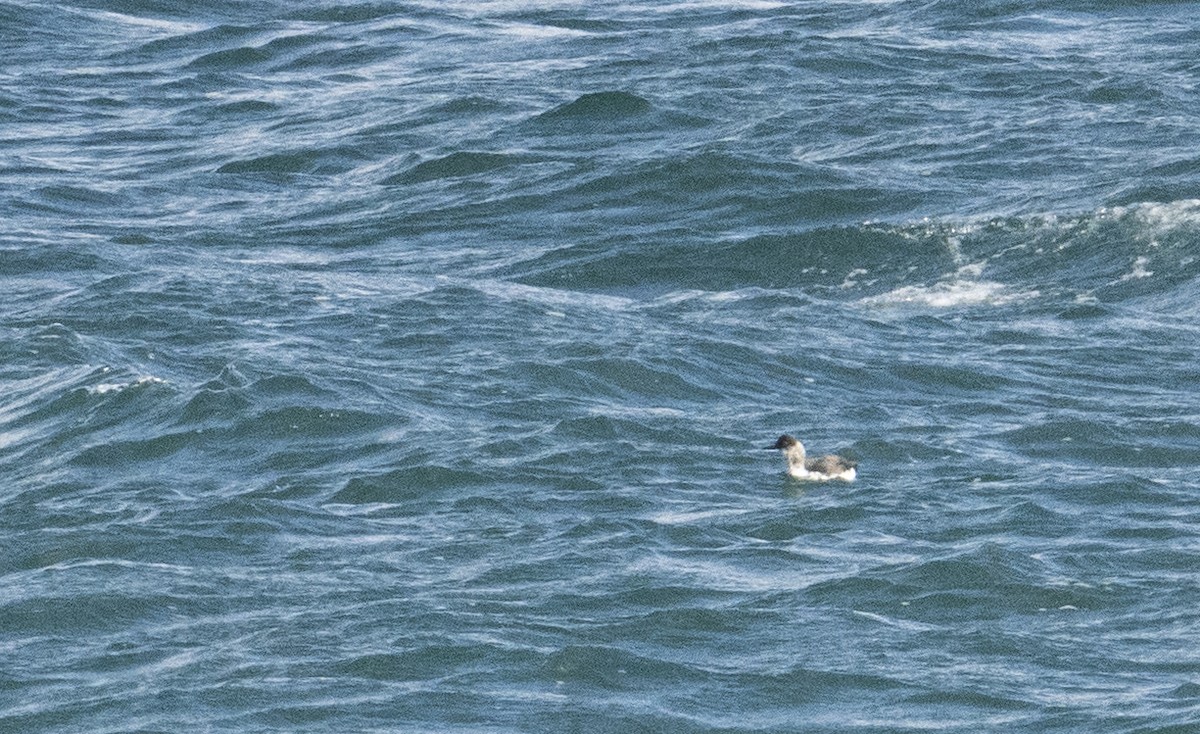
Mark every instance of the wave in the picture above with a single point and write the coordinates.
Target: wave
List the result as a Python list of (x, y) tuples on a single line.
[(624, 115), (1112, 255), (459, 164), (338, 159), (599, 106)]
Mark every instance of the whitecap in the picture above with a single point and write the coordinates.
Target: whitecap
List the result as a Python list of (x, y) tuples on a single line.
[(1164, 216), (1138, 271), (950, 294), (964, 287), (110, 387)]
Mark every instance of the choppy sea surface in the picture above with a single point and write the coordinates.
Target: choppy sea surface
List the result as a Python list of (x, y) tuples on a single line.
[(406, 366)]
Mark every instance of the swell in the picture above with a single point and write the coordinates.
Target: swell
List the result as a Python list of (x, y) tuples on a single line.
[(1139, 254)]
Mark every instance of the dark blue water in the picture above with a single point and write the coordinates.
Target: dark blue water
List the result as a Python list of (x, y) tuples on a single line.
[(405, 366)]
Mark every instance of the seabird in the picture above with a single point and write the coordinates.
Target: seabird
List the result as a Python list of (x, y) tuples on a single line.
[(819, 469)]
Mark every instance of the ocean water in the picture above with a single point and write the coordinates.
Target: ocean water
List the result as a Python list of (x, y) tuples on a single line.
[(406, 366)]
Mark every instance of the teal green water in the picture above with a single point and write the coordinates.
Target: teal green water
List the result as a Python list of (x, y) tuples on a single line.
[(406, 367)]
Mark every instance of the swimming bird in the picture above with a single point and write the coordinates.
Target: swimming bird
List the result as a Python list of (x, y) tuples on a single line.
[(819, 469)]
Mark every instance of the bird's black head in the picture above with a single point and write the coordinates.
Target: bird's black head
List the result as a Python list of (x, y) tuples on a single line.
[(784, 442)]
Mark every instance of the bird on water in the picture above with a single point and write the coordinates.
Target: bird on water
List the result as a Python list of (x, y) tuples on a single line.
[(817, 469)]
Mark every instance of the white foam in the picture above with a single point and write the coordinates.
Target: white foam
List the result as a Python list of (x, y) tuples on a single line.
[(1139, 270), (965, 287), (950, 294), (1166, 216), (852, 277), (109, 387)]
